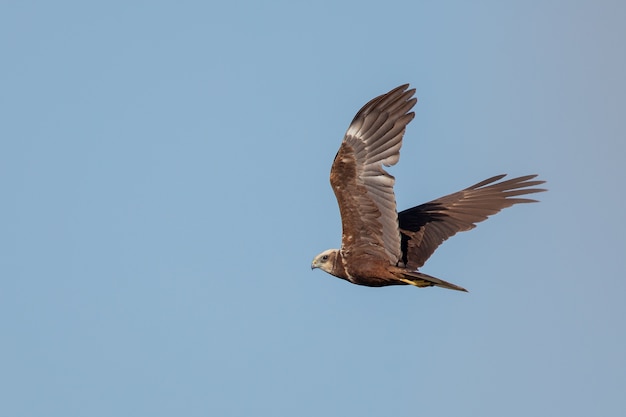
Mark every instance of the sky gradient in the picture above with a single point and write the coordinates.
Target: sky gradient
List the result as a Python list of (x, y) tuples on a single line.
[(164, 172)]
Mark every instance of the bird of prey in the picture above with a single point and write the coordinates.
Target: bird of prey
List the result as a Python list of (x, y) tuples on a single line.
[(379, 246)]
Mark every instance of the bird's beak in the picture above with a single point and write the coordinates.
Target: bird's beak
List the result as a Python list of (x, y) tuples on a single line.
[(313, 265)]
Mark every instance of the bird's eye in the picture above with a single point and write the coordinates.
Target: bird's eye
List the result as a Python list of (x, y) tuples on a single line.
[(325, 258)]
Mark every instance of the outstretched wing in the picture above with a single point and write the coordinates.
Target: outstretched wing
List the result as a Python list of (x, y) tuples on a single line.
[(426, 226), (364, 190)]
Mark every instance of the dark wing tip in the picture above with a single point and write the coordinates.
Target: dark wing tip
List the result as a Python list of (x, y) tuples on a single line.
[(402, 87), (512, 187), (398, 94)]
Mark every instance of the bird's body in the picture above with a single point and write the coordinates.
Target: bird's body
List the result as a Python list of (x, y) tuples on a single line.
[(381, 247)]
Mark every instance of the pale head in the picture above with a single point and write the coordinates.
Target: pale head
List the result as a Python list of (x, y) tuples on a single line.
[(325, 260)]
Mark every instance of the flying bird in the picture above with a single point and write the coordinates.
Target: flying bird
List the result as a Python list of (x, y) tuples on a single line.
[(379, 246)]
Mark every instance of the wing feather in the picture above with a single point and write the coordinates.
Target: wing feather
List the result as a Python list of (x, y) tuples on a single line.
[(426, 226), (364, 190)]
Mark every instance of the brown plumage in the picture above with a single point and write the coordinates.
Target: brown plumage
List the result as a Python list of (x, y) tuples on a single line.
[(379, 246)]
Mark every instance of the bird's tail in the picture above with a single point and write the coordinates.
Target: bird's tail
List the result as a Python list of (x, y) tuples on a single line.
[(422, 280)]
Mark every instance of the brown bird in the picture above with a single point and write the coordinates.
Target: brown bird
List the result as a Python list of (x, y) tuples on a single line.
[(380, 247)]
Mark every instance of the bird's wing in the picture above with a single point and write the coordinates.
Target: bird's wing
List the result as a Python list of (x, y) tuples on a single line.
[(426, 226), (364, 190)]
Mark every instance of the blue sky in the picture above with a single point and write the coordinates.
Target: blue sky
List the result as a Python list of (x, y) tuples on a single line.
[(164, 172)]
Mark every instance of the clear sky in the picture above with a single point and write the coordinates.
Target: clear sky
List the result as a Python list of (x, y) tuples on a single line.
[(164, 180)]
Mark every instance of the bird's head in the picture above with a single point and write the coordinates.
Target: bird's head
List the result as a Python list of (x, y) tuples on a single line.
[(325, 260)]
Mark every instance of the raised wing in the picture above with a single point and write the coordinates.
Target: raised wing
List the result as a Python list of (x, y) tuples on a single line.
[(426, 226), (364, 190)]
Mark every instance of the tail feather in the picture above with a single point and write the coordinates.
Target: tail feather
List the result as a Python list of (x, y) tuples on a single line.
[(420, 279)]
